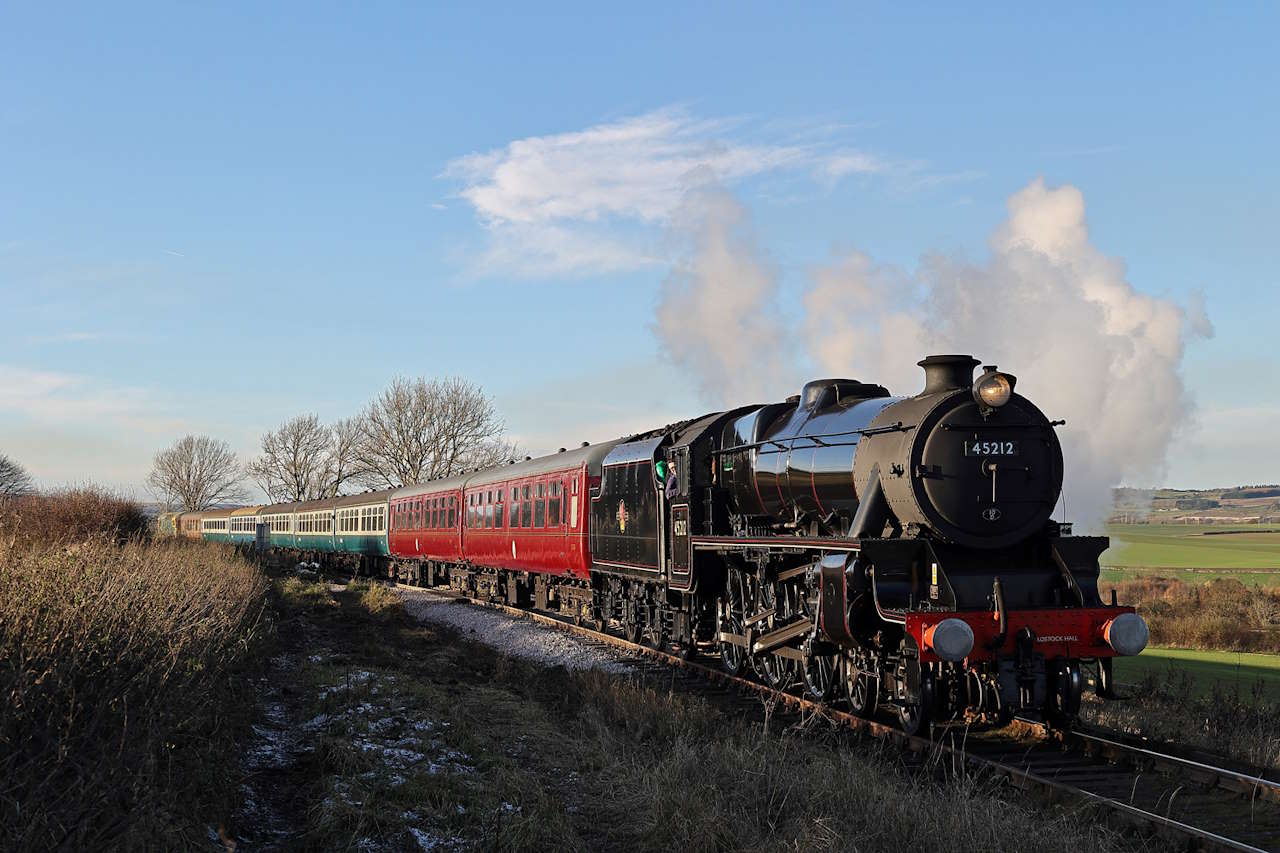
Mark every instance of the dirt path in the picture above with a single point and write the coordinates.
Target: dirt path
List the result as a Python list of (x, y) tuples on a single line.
[(270, 816)]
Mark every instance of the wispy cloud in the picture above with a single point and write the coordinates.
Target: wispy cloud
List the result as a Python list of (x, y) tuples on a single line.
[(586, 201), (70, 338), (60, 398)]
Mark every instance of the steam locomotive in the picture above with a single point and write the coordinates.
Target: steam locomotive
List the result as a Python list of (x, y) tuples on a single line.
[(896, 552)]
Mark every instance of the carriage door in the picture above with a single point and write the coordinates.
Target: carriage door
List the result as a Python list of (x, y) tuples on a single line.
[(680, 556), (680, 550)]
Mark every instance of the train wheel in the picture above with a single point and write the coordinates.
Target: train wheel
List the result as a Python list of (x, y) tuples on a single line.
[(860, 690), (778, 672), (632, 628), (819, 673), (1064, 698), (655, 636), (1105, 686), (913, 713), (732, 620)]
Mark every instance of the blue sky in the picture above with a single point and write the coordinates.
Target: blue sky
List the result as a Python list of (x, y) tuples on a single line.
[(212, 219)]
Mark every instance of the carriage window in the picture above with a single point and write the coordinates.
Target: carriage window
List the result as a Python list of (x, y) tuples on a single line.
[(553, 506), (515, 506), (488, 515), (453, 522), (540, 506), (526, 508), (497, 508)]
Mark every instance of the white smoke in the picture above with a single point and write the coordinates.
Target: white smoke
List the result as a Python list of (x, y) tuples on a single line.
[(718, 310), (1046, 305)]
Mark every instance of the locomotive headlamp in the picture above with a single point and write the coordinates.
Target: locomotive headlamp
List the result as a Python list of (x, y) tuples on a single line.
[(993, 389)]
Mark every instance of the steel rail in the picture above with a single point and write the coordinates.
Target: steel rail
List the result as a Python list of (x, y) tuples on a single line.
[(1021, 777), (1232, 780)]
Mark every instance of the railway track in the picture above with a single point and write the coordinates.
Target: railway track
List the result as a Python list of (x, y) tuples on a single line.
[(1192, 800)]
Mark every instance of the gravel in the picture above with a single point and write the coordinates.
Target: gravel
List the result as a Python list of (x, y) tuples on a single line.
[(510, 635)]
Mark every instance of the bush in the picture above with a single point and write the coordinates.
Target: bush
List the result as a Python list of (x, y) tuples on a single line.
[(1222, 614), (122, 672), (73, 514)]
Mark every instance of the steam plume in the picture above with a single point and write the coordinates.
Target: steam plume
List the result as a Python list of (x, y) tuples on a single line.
[(1046, 305), (718, 311)]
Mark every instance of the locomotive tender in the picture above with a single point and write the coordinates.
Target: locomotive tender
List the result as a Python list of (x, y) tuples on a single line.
[(897, 551)]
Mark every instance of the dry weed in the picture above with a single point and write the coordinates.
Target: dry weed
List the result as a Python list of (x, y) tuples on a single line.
[(121, 670)]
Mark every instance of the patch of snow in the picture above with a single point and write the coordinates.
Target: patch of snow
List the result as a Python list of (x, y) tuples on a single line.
[(425, 840), (509, 635), (319, 721), (395, 755), (355, 678)]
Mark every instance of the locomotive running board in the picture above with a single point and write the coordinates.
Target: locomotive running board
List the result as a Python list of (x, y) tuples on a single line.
[(729, 543)]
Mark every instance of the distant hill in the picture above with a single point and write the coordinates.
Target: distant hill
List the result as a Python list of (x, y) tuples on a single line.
[(1252, 504)]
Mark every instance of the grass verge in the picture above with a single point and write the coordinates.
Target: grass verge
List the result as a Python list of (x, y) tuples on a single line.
[(1170, 703), (419, 738), (1240, 673)]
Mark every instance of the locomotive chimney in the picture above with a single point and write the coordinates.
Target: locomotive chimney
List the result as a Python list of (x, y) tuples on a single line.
[(947, 372)]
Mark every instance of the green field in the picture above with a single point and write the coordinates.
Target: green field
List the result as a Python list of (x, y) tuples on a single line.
[(1248, 577), (1232, 669), (1193, 546)]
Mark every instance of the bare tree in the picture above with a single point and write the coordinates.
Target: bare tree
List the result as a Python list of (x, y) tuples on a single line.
[(291, 467), (14, 479), (418, 430), (304, 460), (342, 466), (495, 451), (198, 472)]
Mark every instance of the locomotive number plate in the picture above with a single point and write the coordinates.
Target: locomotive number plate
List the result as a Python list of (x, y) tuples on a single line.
[(990, 448)]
